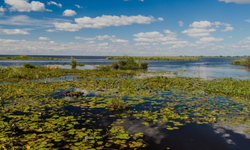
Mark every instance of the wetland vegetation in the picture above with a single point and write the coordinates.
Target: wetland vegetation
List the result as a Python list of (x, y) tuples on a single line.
[(185, 58), (25, 57), (242, 62), (90, 112)]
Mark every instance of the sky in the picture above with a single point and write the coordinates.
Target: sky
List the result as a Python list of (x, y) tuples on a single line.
[(125, 27)]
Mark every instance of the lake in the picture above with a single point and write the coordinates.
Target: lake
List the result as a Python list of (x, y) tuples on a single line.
[(207, 68)]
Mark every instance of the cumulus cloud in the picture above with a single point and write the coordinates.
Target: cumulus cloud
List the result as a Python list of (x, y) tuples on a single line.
[(155, 36), (44, 38), (24, 20), (142, 44), (14, 31), (201, 24), (200, 29), (104, 44), (25, 6), (69, 12), (246, 40), (228, 29), (236, 1), (84, 38), (170, 38), (197, 32), (103, 21), (248, 20), (2, 10), (103, 37), (181, 23), (54, 3), (208, 40)]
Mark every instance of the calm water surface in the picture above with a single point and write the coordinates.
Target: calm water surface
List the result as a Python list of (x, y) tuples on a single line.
[(207, 68)]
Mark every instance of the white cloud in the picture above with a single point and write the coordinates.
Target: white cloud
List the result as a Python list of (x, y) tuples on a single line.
[(160, 19), (245, 41), (54, 3), (103, 21), (44, 38), (181, 23), (69, 12), (248, 20), (141, 0), (201, 24), (78, 6), (14, 31), (230, 37), (169, 39), (2, 10), (228, 29), (204, 40), (25, 6), (103, 37), (153, 34), (50, 30), (142, 44), (104, 44), (200, 29), (84, 38), (236, 1), (119, 41), (23, 20), (90, 42), (197, 32)]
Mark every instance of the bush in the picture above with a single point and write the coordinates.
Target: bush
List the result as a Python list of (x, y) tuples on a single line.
[(73, 62), (129, 63), (143, 65), (28, 65), (81, 64)]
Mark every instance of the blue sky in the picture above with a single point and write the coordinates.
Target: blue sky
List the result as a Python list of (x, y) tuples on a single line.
[(119, 27)]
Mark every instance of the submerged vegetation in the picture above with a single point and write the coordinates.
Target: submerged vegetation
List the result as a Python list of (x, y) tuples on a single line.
[(242, 62), (185, 58), (127, 63), (25, 57), (91, 112)]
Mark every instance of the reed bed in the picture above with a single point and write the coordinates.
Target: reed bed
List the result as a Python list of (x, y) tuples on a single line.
[(24, 57), (242, 62), (52, 66)]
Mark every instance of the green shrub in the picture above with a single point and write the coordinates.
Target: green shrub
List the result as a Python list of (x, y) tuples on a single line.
[(143, 65), (73, 62), (28, 65), (81, 64), (129, 63)]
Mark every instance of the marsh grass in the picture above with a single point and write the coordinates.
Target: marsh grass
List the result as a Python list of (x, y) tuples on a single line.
[(73, 62), (156, 58), (103, 68), (52, 66), (25, 57), (242, 62)]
